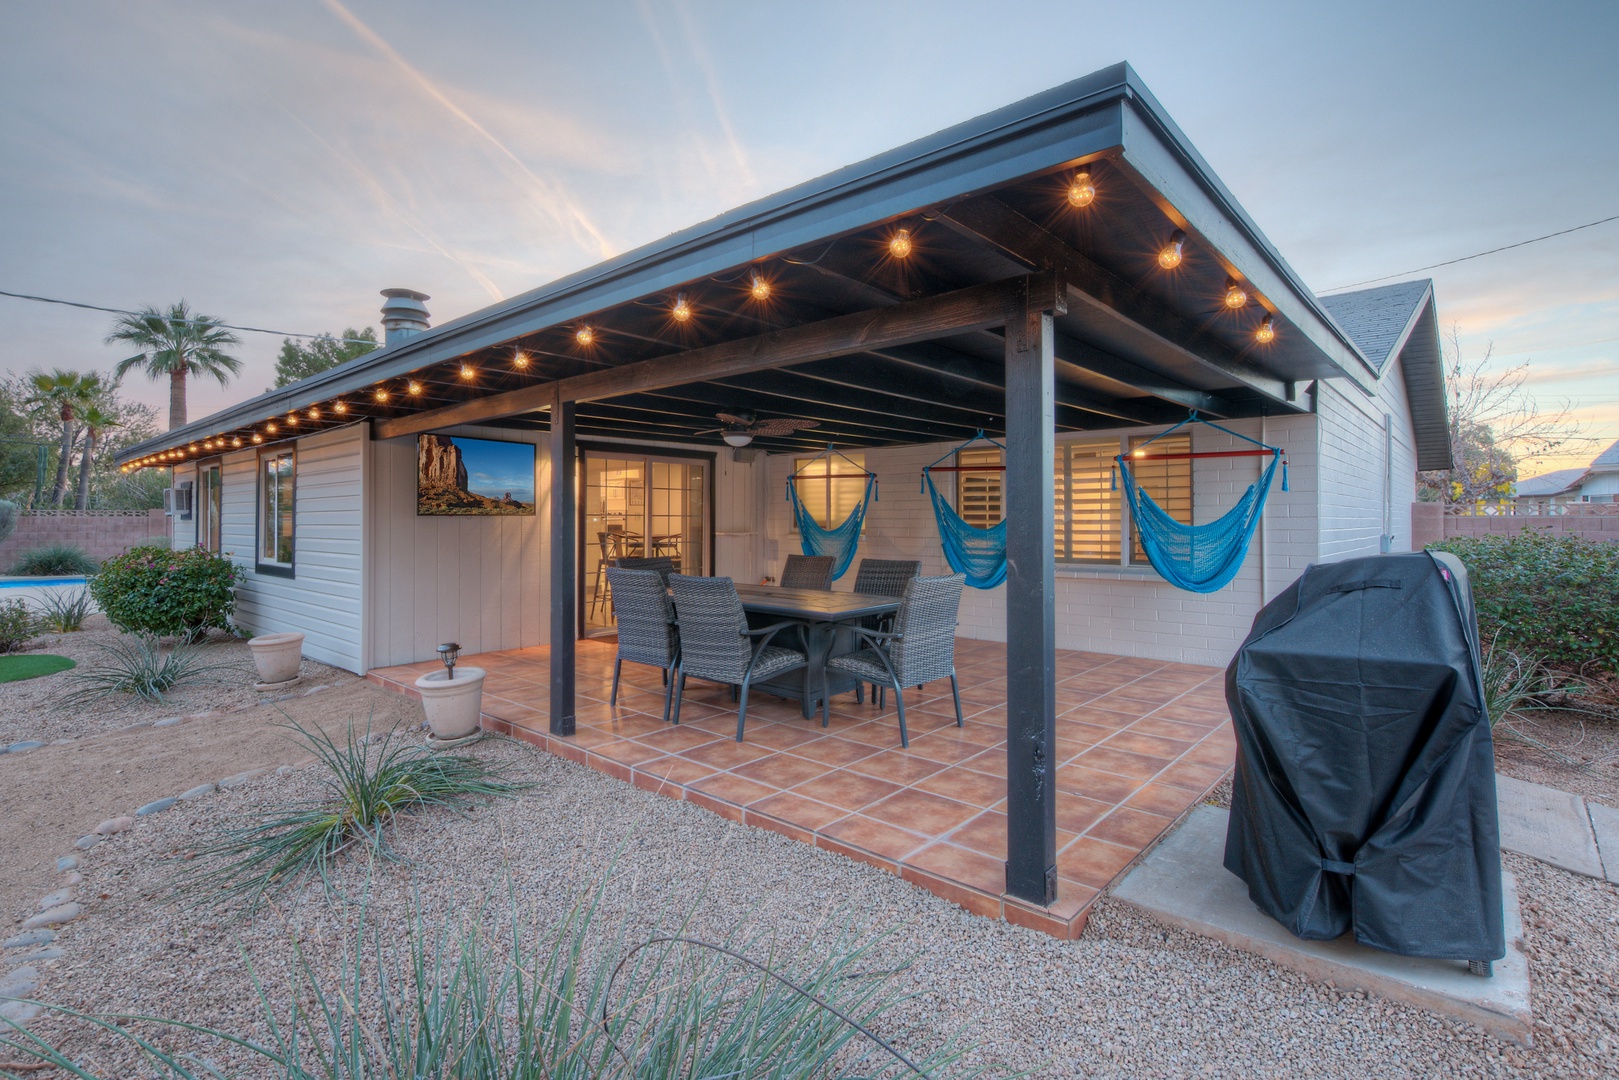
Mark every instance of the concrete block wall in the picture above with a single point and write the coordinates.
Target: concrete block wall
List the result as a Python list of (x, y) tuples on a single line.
[(101, 535)]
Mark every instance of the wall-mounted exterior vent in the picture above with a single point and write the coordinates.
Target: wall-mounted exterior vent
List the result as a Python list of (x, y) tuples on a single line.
[(177, 501)]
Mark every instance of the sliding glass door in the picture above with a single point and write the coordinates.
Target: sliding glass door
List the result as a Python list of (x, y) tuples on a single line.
[(639, 505)]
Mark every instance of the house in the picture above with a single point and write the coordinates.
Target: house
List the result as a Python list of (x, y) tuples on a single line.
[(1598, 482), (1065, 274)]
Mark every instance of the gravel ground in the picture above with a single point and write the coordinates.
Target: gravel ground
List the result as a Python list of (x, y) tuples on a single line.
[(33, 709), (1131, 998)]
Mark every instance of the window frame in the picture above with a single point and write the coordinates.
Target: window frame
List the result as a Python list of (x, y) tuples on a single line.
[(205, 513), (274, 567)]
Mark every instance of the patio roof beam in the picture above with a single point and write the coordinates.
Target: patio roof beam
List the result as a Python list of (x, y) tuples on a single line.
[(977, 307), (1100, 290)]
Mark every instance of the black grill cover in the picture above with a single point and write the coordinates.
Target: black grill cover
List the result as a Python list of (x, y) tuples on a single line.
[(1364, 793)]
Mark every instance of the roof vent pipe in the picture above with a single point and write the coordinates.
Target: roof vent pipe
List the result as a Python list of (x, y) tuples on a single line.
[(403, 316)]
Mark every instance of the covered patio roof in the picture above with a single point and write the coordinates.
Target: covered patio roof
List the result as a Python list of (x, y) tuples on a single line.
[(990, 200)]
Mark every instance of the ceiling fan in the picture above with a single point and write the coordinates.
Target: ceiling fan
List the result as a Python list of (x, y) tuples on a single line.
[(742, 428)]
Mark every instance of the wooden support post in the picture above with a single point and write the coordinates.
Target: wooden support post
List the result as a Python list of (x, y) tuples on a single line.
[(564, 579), (1031, 623)]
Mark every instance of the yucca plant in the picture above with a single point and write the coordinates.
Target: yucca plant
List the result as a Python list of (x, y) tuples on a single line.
[(55, 560), (552, 1004), (368, 785), (1515, 682), (138, 666), (64, 612)]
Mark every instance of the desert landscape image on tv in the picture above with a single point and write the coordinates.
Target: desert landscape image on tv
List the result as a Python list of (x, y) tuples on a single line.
[(460, 476)]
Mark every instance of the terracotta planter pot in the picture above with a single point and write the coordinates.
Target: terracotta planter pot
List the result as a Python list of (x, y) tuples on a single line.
[(277, 656), (452, 708)]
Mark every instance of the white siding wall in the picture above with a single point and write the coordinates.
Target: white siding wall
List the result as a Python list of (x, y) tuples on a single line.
[(183, 534), (325, 598), (1131, 610), (1354, 484)]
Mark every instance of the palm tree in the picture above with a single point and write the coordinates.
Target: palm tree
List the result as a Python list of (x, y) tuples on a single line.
[(63, 395), (97, 417), (176, 343)]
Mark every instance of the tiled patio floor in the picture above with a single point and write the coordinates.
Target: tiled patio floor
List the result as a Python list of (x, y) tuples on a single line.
[(1138, 743)]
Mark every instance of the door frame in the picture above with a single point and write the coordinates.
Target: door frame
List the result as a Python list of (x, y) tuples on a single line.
[(636, 450)]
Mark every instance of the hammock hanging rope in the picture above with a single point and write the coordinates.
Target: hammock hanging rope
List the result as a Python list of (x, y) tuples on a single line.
[(979, 554), (1199, 558), (842, 541)]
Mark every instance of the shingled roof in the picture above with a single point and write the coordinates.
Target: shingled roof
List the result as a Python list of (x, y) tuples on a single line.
[(1552, 483), (1377, 319)]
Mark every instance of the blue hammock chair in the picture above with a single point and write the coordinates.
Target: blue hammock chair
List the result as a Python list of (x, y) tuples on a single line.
[(1199, 558), (842, 541), (978, 554)]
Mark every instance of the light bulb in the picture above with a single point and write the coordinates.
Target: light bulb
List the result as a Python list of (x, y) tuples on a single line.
[(1235, 297), (682, 310), (257, 437), (760, 288), (520, 360), (584, 336), (236, 441), (314, 413), (292, 419), (466, 371), (415, 388), (380, 394), (1172, 253), (1266, 332), (270, 427), (340, 407), (899, 246), (1081, 192), (193, 448)]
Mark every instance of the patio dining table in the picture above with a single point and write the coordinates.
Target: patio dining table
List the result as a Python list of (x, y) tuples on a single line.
[(822, 613)]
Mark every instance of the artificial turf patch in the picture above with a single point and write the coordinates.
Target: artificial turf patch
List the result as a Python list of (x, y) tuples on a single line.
[(31, 666)]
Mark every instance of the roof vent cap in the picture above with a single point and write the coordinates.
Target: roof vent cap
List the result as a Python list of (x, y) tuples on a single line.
[(403, 316)]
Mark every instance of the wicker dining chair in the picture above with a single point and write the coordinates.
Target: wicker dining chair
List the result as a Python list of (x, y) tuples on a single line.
[(663, 564), (716, 644), (920, 648), (807, 572), (883, 577), (646, 626)]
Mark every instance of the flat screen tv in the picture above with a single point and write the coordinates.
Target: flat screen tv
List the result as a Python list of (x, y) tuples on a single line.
[(461, 476)]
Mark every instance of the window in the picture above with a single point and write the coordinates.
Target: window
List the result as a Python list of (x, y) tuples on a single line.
[(276, 471), (1088, 508), (208, 507), (830, 487)]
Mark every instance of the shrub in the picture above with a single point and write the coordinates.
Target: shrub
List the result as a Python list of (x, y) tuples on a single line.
[(366, 790), (64, 612), (8, 518), (152, 590), (1554, 597), (55, 560), (138, 666), (17, 625)]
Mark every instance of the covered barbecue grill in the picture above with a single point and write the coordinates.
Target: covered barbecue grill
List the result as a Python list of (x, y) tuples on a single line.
[(1364, 792)]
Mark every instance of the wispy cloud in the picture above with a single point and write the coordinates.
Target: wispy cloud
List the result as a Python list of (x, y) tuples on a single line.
[(699, 56), (550, 195)]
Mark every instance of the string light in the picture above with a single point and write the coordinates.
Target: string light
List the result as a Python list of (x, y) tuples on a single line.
[(760, 289), (292, 419), (380, 394), (682, 310), (1081, 192), (415, 388), (193, 448), (340, 408), (1173, 252), (467, 372), (899, 245), (270, 427), (257, 437), (520, 360), (314, 413), (584, 336), (236, 442), (1235, 297), (1266, 332)]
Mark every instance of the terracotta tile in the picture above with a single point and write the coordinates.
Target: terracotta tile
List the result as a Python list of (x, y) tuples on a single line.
[(832, 750), (565, 748), (990, 762), (1216, 754), (849, 790), (781, 770), (675, 769), (1093, 862), (1192, 777), (856, 853), (805, 813), (1130, 828), (1106, 787), (657, 785), (714, 804), (757, 820), (627, 752), (1162, 799), (965, 785), (782, 736), (1076, 813), (944, 748), (674, 739), (1204, 718), (1100, 718), (921, 811), (1138, 742), (1168, 729), (734, 789), (985, 834), (897, 766), (724, 754), (877, 734), (608, 766), (1121, 762), (980, 733), (877, 837)]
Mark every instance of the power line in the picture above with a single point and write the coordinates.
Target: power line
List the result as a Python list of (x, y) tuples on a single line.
[(189, 322), (1476, 255)]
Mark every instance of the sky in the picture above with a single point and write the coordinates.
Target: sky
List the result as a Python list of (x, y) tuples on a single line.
[(276, 164)]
